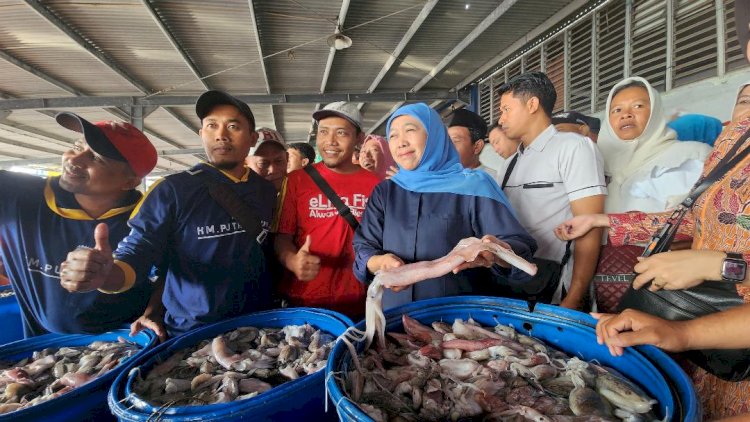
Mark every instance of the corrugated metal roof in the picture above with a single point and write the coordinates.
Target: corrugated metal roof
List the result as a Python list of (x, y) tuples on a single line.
[(157, 46)]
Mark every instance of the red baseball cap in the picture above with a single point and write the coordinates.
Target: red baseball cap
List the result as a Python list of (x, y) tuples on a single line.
[(116, 140)]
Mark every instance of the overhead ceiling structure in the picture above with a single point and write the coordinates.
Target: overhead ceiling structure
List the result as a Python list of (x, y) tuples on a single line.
[(146, 61)]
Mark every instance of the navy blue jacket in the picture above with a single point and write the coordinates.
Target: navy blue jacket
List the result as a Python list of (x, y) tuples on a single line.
[(426, 226), (39, 224), (213, 267)]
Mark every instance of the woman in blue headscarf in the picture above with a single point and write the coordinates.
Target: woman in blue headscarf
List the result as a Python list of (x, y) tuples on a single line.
[(422, 212)]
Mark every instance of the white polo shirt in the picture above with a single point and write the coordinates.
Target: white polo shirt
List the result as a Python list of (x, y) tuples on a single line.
[(555, 169)]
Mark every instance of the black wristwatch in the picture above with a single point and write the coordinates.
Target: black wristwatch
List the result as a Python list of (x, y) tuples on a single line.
[(734, 268)]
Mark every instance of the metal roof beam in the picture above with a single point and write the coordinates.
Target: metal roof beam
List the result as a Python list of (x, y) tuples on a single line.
[(29, 146), (473, 35), (329, 64), (10, 154), (531, 35), (184, 100), (176, 45), (332, 51), (260, 57), (38, 73), (426, 9), (47, 14), (31, 132), (112, 109), (50, 160)]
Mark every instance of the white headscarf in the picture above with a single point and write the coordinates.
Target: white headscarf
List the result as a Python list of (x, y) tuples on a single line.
[(645, 159), (623, 158)]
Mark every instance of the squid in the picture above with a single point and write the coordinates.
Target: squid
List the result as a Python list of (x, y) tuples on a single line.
[(466, 250)]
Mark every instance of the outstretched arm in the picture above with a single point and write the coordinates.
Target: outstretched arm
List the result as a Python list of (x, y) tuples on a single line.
[(722, 330), (586, 252)]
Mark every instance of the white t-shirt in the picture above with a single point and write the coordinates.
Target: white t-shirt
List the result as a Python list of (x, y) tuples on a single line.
[(556, 169)]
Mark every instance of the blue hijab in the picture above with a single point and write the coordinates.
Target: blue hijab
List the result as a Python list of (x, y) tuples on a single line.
[(440, 170)]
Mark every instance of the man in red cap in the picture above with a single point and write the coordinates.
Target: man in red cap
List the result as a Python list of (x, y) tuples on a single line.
[(41, 220)]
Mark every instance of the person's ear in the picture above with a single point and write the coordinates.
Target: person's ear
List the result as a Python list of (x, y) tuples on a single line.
[(478, 146), (305, 162), (532, 105), (253, 138)]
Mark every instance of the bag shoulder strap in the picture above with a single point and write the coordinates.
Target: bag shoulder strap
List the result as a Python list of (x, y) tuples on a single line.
[(342, 209), (662, 239), (228, 199), (722, 168), (508, 171)]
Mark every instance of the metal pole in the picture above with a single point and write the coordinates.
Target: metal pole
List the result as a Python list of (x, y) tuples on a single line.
[(721, 42), (628, 37), (594, 60), (492, 100), (670, 46), (566, 69)]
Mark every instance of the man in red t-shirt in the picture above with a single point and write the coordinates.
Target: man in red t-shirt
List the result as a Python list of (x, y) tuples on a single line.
[(314, 242)]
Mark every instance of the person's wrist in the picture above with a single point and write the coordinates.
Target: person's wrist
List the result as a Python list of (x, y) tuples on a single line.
[(373, 264), (602, 220)]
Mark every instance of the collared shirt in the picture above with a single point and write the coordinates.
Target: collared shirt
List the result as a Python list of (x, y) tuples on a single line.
[(40, 223), (554, 170), (213, 267)]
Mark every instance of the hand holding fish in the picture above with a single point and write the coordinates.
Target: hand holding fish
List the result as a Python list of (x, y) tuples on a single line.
[(486, 258), (384, 262), (87, 269)]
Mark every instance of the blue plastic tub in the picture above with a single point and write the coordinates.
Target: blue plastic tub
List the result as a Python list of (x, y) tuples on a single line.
[(566, 330), (301, 399), (85, 403), (10, 315)]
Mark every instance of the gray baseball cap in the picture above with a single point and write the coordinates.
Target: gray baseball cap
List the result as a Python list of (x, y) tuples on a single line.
[(348, 111)]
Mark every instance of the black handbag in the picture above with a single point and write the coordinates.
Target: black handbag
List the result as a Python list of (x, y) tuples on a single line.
[(704, 299)]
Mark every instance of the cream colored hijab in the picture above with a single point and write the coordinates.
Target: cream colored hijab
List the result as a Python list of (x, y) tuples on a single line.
[(623, 158)]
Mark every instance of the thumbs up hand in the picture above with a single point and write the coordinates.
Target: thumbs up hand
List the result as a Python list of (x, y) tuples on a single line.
[(87, 269), (305, 265)]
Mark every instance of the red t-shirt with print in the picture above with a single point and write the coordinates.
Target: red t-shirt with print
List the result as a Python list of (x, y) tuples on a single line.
[(306, 211)]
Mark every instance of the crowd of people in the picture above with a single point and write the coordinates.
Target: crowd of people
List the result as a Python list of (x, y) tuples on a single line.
[(261, 224)]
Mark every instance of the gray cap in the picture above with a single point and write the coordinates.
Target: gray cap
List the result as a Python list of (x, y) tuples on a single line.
[(348, 111)]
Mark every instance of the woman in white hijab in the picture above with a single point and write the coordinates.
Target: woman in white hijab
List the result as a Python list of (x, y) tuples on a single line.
[(649, 169)]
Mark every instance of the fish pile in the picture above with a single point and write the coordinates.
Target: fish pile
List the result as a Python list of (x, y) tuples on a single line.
[(236, 365), (464, 370), (52, 372)]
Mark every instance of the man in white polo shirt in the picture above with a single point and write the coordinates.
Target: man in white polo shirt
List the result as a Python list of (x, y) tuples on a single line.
[(557, 176)]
